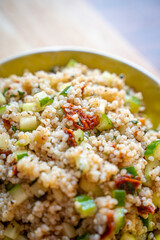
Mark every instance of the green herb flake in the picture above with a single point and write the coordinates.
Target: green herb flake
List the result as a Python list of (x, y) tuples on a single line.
[(134, 121), (65, 91), (4, 91), (13, 95), (21, 94), (13, 128)]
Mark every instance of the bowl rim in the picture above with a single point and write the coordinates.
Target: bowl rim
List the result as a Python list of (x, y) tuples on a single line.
[(81, 49)]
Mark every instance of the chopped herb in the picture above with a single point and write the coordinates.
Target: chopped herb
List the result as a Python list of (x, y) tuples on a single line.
[(13, 95), (134, 121), (9, 186), (97, 133), (65, 91), (53, 70), (145, 131), (121, 75), (114, 138), (79, 123), (4, 91), (13, 128), (21, 94)]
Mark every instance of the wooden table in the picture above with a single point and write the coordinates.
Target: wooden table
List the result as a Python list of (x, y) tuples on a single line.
[(28, 24)]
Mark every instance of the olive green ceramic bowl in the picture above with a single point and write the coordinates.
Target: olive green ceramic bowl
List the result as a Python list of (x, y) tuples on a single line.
[(45, 59)]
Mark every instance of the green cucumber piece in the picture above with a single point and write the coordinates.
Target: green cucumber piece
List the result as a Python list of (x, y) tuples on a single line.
[(12, 231), (156, 199), (150, 166), (147, 221), (2, 109), (127, 236), (18, 194), (133, 102), (2, 99), (85, 206), (28, 123), (120, 195), (29, 107), (87, 186), (37, 189), (118, 219), (82, 164), (105, 123), (68, 230), (79, 136), (65, 91), (84, 237), (4, 141), (153, 149), (21, 155), (43, 98), (71, 63), (131, 170)]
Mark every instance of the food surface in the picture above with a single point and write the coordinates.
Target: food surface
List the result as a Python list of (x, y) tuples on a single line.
[(79, 159)]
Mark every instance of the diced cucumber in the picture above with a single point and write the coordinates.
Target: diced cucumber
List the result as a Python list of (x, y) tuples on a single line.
[(28, 123), (69, 230), (37, 189), (150, 166), (43, 98), (12, 231), (18, 194), (146, 222), (60, 113), (133, 102), (84, 237), (2, 99), (29, 107), (120, 195), (21, 155), (118, 219), (87, 186), (82, 164), (79, 136), (64, 92), (105, 123), (2, 109), (153, 149), (127, 236), (85, 206), (71, 63), (4, 141), (156, 199), (131, 170), (24, 140)]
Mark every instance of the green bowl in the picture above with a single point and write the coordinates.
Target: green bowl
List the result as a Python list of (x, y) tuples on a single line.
[(45, 59)]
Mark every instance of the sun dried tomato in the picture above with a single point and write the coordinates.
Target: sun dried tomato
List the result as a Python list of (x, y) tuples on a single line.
[(6, 123), (7, 152), (85, 123), (83, 88), (71, 139), (128, 183), (14, 169), (146, 209), (110, 225)]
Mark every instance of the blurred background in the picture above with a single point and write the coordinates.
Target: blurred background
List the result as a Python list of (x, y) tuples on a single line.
[(128, 28)]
